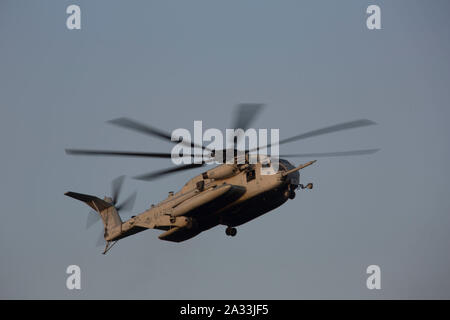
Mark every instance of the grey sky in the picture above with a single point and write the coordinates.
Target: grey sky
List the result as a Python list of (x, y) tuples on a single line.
[(168, 63)]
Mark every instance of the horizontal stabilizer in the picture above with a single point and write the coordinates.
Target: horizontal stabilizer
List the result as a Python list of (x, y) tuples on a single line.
[(92, 201)]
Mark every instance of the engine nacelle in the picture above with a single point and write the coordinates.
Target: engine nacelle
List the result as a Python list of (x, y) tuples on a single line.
[(221, 172)]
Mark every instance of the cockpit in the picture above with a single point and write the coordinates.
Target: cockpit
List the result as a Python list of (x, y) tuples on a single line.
[(274, 165), (269, 165)]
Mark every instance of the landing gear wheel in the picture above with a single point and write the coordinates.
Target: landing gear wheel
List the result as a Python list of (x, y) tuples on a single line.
[(230, 231), (291, 194)]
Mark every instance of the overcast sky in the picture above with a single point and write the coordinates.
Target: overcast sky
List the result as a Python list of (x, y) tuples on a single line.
[(168, 63)]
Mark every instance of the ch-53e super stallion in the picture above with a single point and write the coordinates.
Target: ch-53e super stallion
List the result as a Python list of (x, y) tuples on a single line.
[(229, 194)]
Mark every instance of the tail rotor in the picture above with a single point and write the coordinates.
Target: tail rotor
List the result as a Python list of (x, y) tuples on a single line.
[(125, 206)]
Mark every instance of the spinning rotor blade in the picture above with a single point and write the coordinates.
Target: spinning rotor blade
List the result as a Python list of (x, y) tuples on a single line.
[(116, 187), (101, 242), (326, 130), (245, 113), (92, 218), (146, 129), (331, 154), (127, 205), (86, 152), (159, 173), (136, 126)]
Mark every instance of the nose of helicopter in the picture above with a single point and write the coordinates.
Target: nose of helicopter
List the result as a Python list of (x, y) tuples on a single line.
[(292, 178)]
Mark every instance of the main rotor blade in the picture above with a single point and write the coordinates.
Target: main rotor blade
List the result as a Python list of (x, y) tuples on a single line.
[(116, 187), (243, 116), (152, 131), (159, 173), (245, 113), (330, 154), (140, 127), (127, 204), (326, 130), (86, 152)]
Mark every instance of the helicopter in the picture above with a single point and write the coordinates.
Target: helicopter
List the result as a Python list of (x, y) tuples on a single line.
[(230, 194)]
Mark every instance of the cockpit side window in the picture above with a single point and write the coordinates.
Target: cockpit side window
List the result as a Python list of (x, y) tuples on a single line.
[(251, 175)]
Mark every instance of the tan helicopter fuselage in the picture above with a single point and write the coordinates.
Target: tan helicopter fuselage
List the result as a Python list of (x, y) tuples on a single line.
[(229, 194)]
